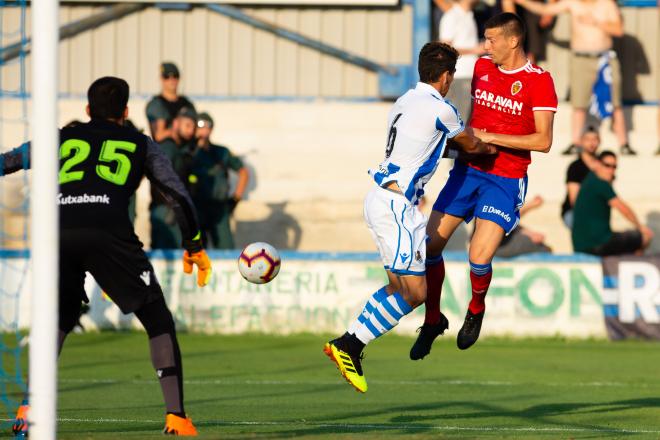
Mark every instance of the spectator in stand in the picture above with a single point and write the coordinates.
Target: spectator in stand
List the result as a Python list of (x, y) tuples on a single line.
[(591, 215), (485, 9), (209, 186), (538, 28), (438, 8), (657, 152), (593, 24), (524, 240), (459, 29), (163, 108), (578, 170), (178, 147)]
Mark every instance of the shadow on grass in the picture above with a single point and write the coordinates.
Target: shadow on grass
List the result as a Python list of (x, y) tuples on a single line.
[(409, 425), (191, 403), (534, 418), (142, 358)]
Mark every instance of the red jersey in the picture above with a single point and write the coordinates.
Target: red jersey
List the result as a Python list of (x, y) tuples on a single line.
[(504, 102)]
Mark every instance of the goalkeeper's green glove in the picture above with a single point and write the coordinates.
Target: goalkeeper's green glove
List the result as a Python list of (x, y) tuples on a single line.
[(194, 254)]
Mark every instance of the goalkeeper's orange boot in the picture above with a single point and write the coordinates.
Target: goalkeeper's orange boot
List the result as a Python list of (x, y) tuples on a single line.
[(175, 425), (20, 426)]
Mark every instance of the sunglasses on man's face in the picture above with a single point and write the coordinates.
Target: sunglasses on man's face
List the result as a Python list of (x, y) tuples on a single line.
[(610, 165), (171, 75)]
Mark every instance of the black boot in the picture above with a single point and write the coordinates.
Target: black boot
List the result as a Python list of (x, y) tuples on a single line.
[(427, 334), (626, 150), (469, 333)]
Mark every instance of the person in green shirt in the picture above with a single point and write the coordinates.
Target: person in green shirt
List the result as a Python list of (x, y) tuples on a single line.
[(179, 148), (591, 230), (163, 108), (209, 186)]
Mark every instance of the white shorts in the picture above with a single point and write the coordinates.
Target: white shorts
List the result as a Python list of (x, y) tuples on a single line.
[(399, 230)]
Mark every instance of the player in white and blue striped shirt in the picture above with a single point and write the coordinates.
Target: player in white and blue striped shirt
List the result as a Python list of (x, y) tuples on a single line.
[(421, 123)]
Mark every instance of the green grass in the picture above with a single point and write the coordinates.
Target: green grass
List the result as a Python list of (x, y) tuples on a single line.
[(268, 387)]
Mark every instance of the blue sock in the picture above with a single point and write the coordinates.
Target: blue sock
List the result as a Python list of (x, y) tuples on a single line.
[(480, 269), (368, 309), (383, 318)]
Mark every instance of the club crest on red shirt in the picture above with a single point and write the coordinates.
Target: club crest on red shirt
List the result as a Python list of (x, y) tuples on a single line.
[(516, 87)]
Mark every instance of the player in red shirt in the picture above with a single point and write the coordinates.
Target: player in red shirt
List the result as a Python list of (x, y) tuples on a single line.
[(514, 103)]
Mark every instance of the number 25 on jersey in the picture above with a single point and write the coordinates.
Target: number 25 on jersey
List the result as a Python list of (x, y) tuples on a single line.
[(76, 151)]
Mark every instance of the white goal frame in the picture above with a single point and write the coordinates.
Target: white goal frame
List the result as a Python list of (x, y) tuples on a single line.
[(44, 221)]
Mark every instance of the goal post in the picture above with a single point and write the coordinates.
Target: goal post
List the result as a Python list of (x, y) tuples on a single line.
[(44, 221)]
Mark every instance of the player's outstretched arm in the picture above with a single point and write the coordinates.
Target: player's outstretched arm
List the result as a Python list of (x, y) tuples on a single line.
[(540, 140), (160, 173), (541, 8), (592, 162), (15, 160), (625, 211), (471, 144)]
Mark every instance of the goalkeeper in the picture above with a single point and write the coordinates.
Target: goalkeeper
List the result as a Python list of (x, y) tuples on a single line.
[(101, 166)]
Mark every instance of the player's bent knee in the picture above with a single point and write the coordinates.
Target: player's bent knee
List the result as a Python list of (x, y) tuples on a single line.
[(481, 254), (156, 318), (414, 296), (435, 244), (392, 288), (394, 284), (477, 258)]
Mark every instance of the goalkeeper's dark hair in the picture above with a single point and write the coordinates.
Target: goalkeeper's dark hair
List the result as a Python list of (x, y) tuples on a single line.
[(436, 58), (107, 98), (511, 25)]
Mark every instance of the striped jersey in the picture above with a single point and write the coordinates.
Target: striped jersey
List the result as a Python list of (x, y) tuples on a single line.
[(420, 122)]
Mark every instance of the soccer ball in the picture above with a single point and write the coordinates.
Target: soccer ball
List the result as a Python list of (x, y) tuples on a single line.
[(259, 263)]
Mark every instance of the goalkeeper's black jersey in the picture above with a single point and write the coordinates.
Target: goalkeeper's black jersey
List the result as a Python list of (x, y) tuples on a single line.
[(101, 166)]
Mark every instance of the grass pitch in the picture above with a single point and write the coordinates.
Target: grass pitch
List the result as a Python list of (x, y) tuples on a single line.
[(267, 387)]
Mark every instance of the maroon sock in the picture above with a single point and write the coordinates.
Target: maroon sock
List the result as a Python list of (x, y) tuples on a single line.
[(480, 285), (435, 276)]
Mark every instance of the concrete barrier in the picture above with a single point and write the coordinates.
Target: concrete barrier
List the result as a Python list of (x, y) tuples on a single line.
[(309, 162), (323, 293)]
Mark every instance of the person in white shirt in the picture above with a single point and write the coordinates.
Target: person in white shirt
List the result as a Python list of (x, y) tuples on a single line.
[(420, 124), (459, 29), (594, 25), (439, 7)]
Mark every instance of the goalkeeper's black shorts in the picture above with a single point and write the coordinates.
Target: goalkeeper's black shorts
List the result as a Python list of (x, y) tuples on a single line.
[(116, 261)]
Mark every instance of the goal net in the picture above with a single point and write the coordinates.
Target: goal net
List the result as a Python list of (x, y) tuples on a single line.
[(14, 201)]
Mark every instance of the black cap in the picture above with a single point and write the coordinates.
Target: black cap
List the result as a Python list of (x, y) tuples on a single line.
[(169, 69), (204, 119), (187, 112)]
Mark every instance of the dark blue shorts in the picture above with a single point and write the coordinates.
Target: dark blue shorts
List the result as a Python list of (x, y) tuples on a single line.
[(472, 193)]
